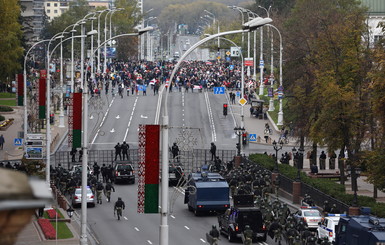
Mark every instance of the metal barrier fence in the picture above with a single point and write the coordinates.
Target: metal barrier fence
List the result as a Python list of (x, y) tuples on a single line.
[(286, 184), (190, 160), (319, 197)]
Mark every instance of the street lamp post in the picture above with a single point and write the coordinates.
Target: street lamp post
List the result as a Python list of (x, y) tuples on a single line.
[(214, 21), (98, 42), (354, 174), (47, 116), (25, 91), (280, 113), (249, 26), (277, 147)]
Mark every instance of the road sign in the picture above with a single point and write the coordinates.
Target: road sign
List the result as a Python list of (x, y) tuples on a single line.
[(34, 153), (242, 101), (35, 136), (18, 142), (249, 62), (235, 51), (252, 137), (219, 90), (238, 94), (228, 53), (231, 67), (261, 63)]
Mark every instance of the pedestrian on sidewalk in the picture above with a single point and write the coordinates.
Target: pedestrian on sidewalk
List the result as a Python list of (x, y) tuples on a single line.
[(322, 160), (2, 141)]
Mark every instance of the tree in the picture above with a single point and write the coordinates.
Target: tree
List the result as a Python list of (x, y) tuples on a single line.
[(327, 70), (10, 40)]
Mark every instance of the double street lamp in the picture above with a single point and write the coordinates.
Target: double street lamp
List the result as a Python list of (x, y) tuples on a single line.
[(277, 147), (354, 173), (298, 161)]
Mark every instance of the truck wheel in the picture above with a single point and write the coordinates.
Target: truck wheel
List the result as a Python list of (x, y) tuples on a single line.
[(230, 236), (264, 238), (196, 212), (189, 208)]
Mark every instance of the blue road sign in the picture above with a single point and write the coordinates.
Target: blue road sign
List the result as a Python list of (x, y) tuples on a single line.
[(252, 137), (18, 142), (231, 67), (219, 90), (238, 94)]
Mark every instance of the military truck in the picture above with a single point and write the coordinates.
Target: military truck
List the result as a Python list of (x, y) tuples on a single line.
[(207, 192), (363, 229), (232, 223)]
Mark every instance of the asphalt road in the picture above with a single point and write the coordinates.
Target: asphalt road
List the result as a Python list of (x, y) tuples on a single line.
[(117, 119)]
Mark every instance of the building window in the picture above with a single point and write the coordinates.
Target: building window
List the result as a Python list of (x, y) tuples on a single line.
[(378, 38), (48, 11), (55, 11), (48, 4), (55, 4)]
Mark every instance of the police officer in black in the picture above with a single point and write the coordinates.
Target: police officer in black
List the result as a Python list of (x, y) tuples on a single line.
[(119, 206), (125, 147), (73, 154), (213, 151), (175, 151), (118, 149), (96, 170), (108, 188)]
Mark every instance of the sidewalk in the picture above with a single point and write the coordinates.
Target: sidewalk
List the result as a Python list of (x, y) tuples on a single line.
[(256, 126), (31, 234)]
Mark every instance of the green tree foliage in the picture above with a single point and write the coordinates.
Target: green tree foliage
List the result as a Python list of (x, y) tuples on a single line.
[(124, 22), (282, 7), (10, 39), (327, 71)]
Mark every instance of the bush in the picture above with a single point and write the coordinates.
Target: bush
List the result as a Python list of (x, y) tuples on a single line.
[(4, 108), (2, 118), (52, 214)]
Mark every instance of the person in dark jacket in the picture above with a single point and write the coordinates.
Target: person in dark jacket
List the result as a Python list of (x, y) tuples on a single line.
[(118, 149)]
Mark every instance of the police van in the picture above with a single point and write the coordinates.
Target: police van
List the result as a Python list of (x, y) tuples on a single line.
[(328, 226)]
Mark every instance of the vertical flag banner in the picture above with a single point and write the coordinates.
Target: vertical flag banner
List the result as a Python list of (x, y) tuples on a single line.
[(148, 181), (42, 98), (77, 120), (151, 188), (20, 89)]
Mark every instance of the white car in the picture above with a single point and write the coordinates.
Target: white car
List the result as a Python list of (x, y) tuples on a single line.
[(76, 197), (78, 169), (328, 226), (310, 215)]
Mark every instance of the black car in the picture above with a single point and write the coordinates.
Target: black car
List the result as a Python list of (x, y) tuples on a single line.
[(175, 174), (124, 171)]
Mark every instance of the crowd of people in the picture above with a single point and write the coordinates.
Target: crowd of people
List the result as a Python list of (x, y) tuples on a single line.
[(136, 77)]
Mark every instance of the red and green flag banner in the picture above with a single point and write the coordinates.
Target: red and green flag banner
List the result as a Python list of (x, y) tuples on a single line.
[(148, 181), (77, 120), (43, 73), (20, 89), (42, 97)]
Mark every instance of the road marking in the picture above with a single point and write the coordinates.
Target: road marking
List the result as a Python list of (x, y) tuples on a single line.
[(141, 116), (125, 217), (129, 121), (136, 228), (112, 130), (104, 117), (186, 227), (117, 117), (172, 216), (149, 241), (203, 240), (211, 118)]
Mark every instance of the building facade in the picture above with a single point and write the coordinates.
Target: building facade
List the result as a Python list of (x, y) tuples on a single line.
[(34, 18), (376, 15)]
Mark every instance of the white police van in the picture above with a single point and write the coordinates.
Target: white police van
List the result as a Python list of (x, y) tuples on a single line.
[(328, 226)]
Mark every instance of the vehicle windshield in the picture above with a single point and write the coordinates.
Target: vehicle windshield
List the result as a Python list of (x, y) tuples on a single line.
[(312, 213), (124, 167), (79, 191)]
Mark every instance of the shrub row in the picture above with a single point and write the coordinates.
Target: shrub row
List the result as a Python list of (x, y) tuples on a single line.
[(327, 186), (52, 214), (5, 108)]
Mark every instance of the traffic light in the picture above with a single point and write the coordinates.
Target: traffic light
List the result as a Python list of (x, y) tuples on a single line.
[(224, 109)]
